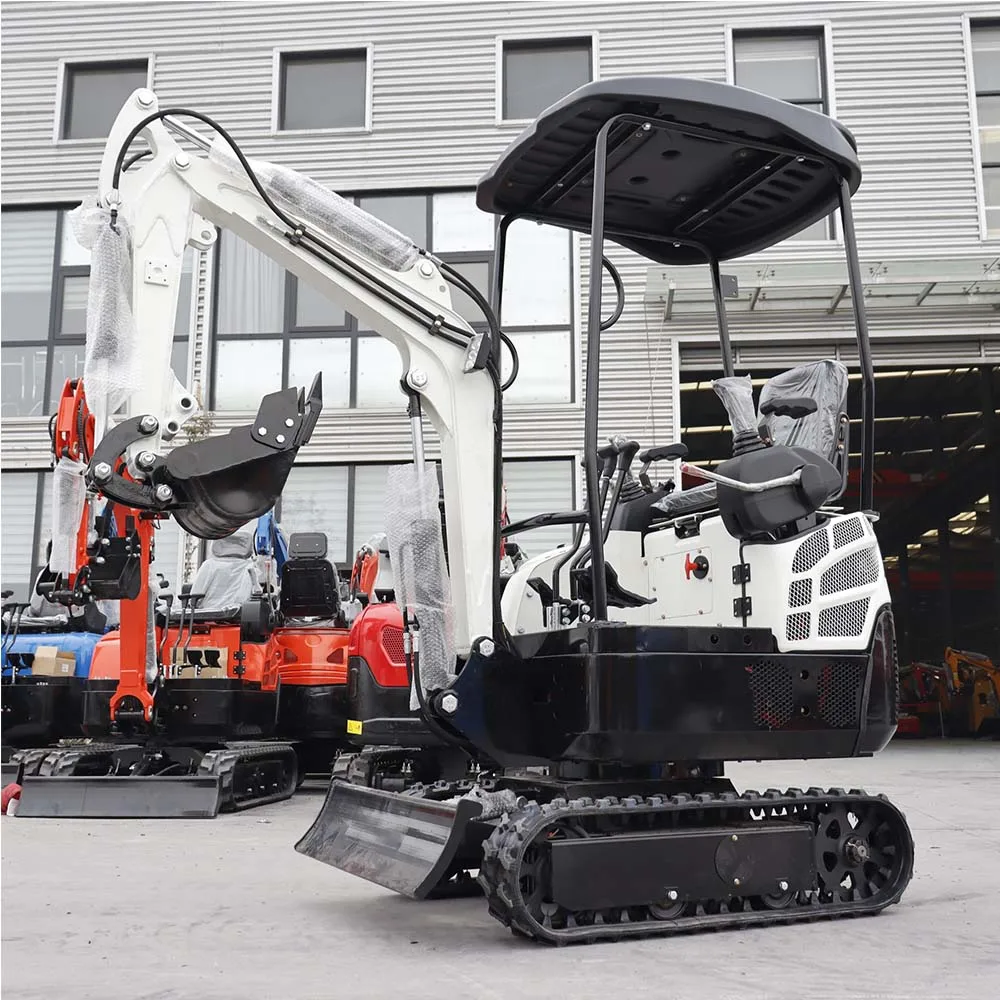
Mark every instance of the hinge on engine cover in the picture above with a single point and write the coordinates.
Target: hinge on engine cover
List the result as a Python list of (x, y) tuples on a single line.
[(742, 607), (741, 574)]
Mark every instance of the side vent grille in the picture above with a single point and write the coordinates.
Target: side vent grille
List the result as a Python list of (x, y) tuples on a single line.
[(844, 619), (797, 626), (845, 532), (859, 569), (773, 700), (814, 548), (800, 593), (839, 691)]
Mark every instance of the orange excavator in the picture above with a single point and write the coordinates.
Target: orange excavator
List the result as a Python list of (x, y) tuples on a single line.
[(975, 703), (179, 710)]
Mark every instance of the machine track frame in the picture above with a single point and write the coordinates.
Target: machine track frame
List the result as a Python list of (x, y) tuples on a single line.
[(516, 868), (117, 780)]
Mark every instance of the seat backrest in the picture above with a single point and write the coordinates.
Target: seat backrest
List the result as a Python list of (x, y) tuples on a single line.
[(309, 584), (227, 576), (822, 432)]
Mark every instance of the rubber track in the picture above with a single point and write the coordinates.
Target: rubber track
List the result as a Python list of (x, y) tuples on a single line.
[(223, 764), (226, 763), (503, 853)]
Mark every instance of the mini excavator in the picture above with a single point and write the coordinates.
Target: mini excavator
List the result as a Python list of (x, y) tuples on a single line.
[(591, 728)]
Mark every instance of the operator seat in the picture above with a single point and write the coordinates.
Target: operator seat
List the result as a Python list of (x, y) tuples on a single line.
[(226, 578), (309, 584), (824, 431)]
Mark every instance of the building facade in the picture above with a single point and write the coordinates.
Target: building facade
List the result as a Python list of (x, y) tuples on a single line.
[(402, 107)]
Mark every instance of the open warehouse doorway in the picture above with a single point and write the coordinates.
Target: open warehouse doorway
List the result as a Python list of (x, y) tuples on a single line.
[(937, 490)]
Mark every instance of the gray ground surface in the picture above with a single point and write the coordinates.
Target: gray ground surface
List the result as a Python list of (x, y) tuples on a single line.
[(225, 908)]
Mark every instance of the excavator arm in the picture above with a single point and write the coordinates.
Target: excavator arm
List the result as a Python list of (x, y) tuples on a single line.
[(173, 198)]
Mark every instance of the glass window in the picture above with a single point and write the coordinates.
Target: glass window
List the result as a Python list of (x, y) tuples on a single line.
[(544, 367), (261, 301), (791, 67), (536, 486), (323, 90), (95, 93), (18, 499), (329, 355), (786, 66), (314, 309), (73, 318), (369, 503), (379, 370), (251, 292), (536, 280), (537, 73), (986, 74), (405, 213), (27, 248), (459, 226), (23, 380), (67, 362), (246, 371), (478, 274), (315, 498), (986, 57)]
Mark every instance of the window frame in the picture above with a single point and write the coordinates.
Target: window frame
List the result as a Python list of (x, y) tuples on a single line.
[(803, 25), (541, 40), (57, 279), (355, 333), (969, 24), (277, 84), (62, 88), (352, 544)]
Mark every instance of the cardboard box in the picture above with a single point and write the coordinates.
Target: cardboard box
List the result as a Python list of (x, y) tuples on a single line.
[(51, 661)]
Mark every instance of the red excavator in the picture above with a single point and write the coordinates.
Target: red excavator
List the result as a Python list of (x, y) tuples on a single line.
[(179, 711)]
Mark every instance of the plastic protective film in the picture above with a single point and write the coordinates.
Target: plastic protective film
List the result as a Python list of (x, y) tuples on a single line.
[(823, 381), (736, 393), (420, 576), (318, 206), (69, 493), (111, 364), (227, 577)]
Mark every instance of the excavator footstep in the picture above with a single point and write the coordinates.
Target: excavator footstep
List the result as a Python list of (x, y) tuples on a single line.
[(411, 845)]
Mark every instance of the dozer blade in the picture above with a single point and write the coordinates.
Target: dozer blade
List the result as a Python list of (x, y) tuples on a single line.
[(114, 797), (408, 844)]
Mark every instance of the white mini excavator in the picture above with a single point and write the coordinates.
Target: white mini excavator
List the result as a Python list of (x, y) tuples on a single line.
[(595, 693)]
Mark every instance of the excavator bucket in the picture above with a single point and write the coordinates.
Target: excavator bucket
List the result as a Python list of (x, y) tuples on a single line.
[(414, 846), (163, 797)]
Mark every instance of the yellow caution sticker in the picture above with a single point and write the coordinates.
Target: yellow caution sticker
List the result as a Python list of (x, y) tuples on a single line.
[(354, 727)]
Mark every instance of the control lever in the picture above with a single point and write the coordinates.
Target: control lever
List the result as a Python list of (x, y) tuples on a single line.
[(183, 597), (792, 479), (662, 453), (626, 453), (194, 600)]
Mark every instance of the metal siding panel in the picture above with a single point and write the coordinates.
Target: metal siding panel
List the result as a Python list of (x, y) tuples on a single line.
[(899, 79)]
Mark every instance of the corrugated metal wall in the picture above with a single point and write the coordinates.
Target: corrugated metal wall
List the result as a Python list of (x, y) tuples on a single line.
[(899, 79)]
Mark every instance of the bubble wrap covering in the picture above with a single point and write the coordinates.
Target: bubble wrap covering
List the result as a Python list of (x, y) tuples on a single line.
[(416, 550), (111, 364), (736, 393), (227, 577), (69, 493), (320, 207), (824, 381)]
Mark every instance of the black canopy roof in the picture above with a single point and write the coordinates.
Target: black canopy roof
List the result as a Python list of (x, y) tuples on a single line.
[(707, 163)]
